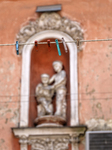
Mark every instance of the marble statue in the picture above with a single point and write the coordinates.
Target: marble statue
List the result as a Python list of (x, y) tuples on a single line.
[(59, 85), (45, 91), (44, 94)]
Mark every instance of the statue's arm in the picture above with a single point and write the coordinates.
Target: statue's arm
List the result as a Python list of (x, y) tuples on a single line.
[(61, 82), (51, 79), (38, 89), (62, 79)]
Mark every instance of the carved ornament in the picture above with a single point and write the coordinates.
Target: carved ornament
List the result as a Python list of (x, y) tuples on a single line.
[(51, 21), (23, 139), (49, 144), (23, 142)]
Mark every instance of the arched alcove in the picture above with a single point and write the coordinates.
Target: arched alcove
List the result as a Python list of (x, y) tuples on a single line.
[(25, 84), (41, 62)]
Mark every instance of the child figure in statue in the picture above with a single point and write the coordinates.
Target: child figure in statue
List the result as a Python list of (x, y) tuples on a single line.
[(44, 94), (59, 85)]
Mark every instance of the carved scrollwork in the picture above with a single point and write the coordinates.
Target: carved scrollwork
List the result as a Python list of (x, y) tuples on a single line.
[(23, 141), (51, 21), (37, 144), (61, 144), (75, 138), (49, 144)]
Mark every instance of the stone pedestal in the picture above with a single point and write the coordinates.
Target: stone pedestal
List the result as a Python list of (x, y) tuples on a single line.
[(50, 121)]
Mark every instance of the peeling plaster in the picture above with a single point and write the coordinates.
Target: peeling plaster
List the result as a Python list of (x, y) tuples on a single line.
[(13, 115), (12, 67), (2, 141), (91, 92), (98, 105)]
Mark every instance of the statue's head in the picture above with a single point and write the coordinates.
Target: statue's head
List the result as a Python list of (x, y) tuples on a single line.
[(45, 78), (57, 65)]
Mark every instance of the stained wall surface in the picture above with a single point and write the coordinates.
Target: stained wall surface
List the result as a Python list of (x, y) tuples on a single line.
[(94, 61)]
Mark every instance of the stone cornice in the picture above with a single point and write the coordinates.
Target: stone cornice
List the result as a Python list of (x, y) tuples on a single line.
[(51, 131)]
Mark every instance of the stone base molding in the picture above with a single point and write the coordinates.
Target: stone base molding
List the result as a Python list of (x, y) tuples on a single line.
[(55, 138), (49, 121)]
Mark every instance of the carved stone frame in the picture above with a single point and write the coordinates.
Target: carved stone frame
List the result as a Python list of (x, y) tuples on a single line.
[(49, 138), (50, 21), (25, 81)]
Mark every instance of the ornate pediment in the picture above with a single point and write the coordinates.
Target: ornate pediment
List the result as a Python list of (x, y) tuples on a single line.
[(51, 21)]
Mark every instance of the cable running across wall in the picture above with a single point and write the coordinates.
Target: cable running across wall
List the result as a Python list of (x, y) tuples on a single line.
[(91, 99), (31, 95), (75, 41)]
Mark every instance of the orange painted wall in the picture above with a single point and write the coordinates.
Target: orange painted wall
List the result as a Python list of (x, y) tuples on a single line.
[(94, 62)]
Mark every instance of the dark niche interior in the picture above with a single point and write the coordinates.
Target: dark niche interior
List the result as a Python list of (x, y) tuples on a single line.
[(41, 62)]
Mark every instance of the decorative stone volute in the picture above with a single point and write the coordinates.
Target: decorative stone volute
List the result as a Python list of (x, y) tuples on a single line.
[(49, 144), (23, 139), (51, 21)]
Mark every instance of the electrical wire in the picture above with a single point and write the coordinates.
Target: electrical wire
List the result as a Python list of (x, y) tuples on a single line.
[(91, 99), (74, 41), (31, 95), (97, 40), (20, 44)]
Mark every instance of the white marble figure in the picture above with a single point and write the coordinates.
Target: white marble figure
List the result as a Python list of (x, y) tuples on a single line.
[(44, 94), (59, 85)]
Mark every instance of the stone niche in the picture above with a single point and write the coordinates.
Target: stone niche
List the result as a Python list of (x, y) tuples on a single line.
[(42, 66), (51, 132)]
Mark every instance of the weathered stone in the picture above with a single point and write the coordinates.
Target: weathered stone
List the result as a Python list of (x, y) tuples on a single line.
[(99, 124), (51, 21)]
